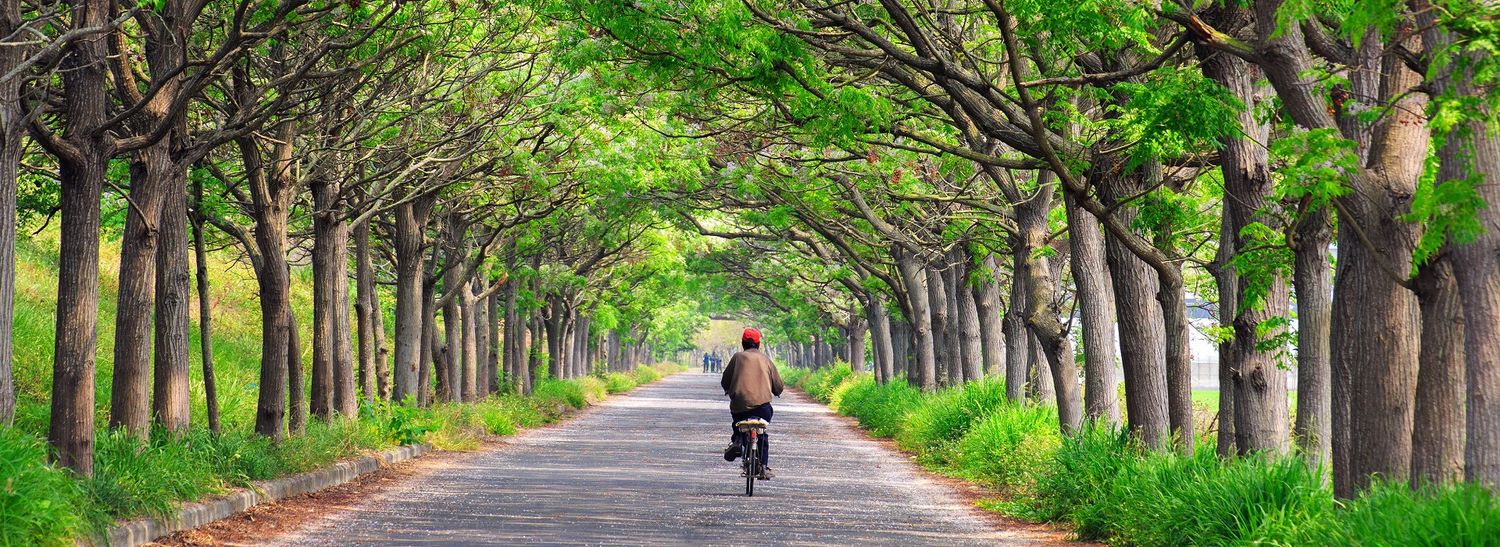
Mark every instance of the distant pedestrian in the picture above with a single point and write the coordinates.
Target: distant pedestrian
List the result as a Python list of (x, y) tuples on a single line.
[(707, 362)]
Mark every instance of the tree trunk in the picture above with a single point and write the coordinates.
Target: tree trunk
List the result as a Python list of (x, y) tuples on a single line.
[(880, 339), (383, 379), (296, 387), (470, 340), (429, 353), (1260, 395), (205, 316), (1438, 433), (1141, 325), (12, 130), (1476, 264), (365, 312), (453, 333), (924, 370), (856, 342), (1312, 280), (172, 396), (1376, 321), (969, 331), (513, 328), (411, 216), (497, 341), (531, 351), (271, 409), (988, 307), (330, 270), (1039, 374), (129, 404), (1052, 347), (1229, 297), (1096, 313), (581, 364), (482, 335), (1017, 338), (942, 326), (81, 174), (554, 326)]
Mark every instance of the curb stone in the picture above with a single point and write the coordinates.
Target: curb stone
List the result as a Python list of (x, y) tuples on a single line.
[(193, 515)]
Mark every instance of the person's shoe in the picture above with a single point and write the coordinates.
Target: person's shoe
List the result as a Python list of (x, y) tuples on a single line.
[(731, 453), (765, 474)]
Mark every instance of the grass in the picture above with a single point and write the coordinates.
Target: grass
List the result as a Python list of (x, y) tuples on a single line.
[(43, 505), (1110, 489)]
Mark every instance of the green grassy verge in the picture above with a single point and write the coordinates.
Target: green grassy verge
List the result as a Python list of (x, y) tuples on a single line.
[(43, 505), (1107, 488)]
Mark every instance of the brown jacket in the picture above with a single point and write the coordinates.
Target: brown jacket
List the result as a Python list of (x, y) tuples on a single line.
[(750, 380)]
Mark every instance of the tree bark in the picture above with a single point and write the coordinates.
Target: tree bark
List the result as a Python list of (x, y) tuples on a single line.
[(856, 342), (969, 329), (1260, 394), (1229, 298), (296, 387), (942, 318), (513, 330), (1141, 325), (453, 334), (12, 130), (1473, 154), (880, 338), (172, 396), (1437, 442), (987, 304), (205, 316), (554, 327), (365, 312), (411, 216), (470, 342), (129, 404), (923, 372), (1096, 312), (430, 355), (1313, 283), (331, 370), (1017, 338), (482, 338)]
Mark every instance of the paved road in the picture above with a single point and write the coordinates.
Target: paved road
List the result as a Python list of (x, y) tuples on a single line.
[(588, 481)]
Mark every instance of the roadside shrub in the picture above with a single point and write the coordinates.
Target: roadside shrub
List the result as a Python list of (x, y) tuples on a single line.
[(131, 478), (882, 409), (944, 417), (794, 377), (39, 503), (1005, 448), (1079, 473), (821, 383), (646, 375), (618, 382), (593, 389), (561, 391), (1392, 514)]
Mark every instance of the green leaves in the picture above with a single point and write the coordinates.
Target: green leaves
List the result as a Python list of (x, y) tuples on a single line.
[(1313, 165)]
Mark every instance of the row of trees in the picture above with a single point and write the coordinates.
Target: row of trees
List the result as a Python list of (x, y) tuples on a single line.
[(441, 141), (973, 182)]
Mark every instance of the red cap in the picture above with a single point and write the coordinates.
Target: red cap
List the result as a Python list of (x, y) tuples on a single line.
[(751, 334)]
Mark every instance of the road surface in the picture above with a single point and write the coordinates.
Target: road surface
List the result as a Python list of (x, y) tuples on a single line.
[(647, 469)]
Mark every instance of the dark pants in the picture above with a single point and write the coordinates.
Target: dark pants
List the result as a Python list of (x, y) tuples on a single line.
[(764, 445)]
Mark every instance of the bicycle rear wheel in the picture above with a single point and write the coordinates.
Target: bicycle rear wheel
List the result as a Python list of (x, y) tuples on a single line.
[(752, 464)]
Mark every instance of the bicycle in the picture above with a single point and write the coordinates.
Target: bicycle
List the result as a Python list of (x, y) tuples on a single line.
[(752, 430)]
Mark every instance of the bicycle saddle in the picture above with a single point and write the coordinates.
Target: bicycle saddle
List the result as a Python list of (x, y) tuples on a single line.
[(752, 423)]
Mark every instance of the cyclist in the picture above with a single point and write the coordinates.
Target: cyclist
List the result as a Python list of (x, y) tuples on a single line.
[(750, 380)]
